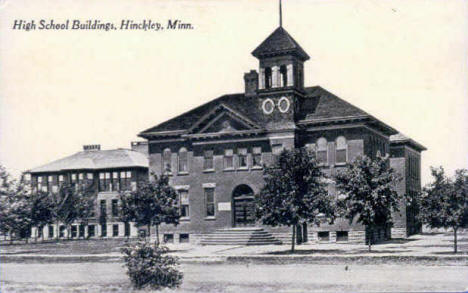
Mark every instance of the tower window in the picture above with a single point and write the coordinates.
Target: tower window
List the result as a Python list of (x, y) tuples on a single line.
[(242, 154), (228, 159), (268, 78), (283, 76)]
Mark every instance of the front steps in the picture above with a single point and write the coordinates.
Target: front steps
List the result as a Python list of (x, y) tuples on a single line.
[(239, 236)]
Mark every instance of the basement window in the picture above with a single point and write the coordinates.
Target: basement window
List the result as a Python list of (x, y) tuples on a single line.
[(341, 236), (168, 238), (324, 236), (184, 238)]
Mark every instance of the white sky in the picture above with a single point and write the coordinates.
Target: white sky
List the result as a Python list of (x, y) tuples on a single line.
[(404, 62)]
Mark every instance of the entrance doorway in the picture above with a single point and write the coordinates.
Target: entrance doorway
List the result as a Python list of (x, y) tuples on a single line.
[(243, 206)]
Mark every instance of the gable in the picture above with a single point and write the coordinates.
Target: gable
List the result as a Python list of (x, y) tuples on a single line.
[(223, 119)]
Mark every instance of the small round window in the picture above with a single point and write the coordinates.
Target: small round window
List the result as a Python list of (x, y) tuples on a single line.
[(268, 106), (283, 104)]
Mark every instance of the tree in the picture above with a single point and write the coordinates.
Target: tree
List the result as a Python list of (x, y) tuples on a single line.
[(369, 189), (72, 203), (444, 202), (294, 192), (15, 209), (153, 203), (41, 210)]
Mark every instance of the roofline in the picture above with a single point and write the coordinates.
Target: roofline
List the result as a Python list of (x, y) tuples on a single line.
[(84, 169), (408, 141)]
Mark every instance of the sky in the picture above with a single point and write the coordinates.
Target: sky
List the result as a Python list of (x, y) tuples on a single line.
[(404, 62)]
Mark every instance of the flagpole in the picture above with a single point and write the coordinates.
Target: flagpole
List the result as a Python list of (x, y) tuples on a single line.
[(280, 15)]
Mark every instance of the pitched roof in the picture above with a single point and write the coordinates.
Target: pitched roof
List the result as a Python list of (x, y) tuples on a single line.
[(318, 106), (96, 159), (277, 43), (400, 138)]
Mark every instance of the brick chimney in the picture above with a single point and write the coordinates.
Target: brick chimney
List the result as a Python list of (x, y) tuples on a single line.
[(92, 147), (251, 83)]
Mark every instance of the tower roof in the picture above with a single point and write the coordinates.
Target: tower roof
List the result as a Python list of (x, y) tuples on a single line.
[(279, 43)]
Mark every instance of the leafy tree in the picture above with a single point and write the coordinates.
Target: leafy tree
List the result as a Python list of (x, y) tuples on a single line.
[(294, 192), (444, 202), (15, 209), (7, 193), (41, 210), (153, 203), (72, 203), (369, 189)]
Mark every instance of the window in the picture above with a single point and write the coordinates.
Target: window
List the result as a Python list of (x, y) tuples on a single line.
[(341, 236), (115, 230), (80, 178), (184, 203), (60, 179), (184, 238), (81, 231), (103, 230), (91, 231), (62, 231), (115, 181), (242, 153), (228, 159), (283, 76), (183, 160), (341, 150), (276, 152), (103, 208), (209, 202), (268, 78), (168, 238), (127, 229), (39, 232), (323, 236), (125, 180), (167, 167), (104, 181), (51, 231), (90, 176), (322, 151), (208, 160), (50, 182), (257, 156), (74, 231), (115, 208), (73, 179)]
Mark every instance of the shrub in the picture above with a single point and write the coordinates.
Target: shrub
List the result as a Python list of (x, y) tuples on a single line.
[(149, 265)]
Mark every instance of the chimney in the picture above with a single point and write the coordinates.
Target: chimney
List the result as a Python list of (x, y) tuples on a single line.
[(251, 83), (92, 147)]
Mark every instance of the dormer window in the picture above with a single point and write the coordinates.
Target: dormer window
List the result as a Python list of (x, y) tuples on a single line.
[(283, 76), (268, 78)]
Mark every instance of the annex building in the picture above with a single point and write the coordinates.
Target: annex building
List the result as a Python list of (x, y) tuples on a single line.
[(215, 152)]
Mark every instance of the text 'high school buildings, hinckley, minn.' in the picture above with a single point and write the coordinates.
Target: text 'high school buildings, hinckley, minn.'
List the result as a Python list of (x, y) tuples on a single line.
[(214, 155)]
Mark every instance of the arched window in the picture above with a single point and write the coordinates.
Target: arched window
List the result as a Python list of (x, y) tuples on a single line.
[(341, 150), (183, 160), (322, 151), (167, 168), (268, 78), (283, 76)]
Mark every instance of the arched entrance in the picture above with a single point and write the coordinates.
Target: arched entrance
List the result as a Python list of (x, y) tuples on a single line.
[(243, 206)]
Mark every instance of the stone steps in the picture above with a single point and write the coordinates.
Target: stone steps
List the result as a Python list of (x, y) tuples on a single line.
[(239, 236)]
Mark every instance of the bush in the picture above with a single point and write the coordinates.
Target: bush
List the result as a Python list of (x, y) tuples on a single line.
[(149, 265)]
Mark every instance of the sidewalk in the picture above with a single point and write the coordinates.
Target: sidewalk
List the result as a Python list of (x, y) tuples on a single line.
[(435, 249)]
